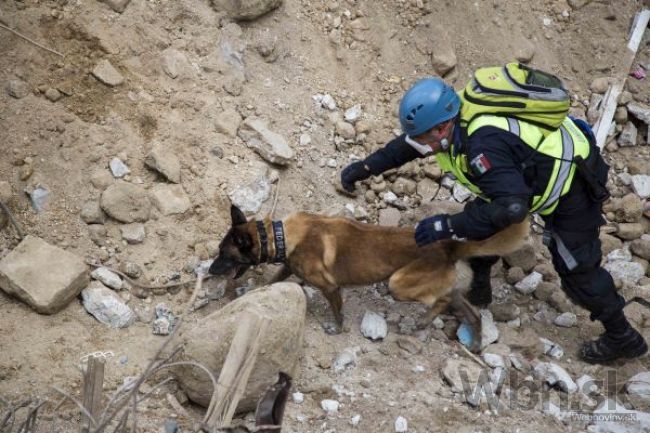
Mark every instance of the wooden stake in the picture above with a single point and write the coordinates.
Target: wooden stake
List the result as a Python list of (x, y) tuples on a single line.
[(92, 391), (237, 368), (608, 106)]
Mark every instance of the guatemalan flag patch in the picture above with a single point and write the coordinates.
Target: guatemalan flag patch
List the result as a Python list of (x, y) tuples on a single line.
[(480, 164)]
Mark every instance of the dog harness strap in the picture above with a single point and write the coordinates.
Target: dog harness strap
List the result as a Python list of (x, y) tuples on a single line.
[(264, 242), (280, 247)]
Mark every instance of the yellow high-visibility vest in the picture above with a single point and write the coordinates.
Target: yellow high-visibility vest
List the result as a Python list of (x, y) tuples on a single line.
[(563, 145)]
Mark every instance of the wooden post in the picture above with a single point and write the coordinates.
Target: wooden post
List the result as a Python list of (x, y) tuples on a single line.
[(237, 368), (92, 390), (608, 105)]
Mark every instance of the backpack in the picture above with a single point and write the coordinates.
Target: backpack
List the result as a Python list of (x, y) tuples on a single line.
[(518, 91)]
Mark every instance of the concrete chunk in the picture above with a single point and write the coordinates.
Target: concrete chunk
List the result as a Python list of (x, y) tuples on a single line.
[(43, 276)]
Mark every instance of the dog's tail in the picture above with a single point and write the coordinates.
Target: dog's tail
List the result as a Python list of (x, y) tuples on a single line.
[(504, 242)]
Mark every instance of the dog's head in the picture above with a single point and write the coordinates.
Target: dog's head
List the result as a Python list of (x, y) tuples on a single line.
[(237, 251)]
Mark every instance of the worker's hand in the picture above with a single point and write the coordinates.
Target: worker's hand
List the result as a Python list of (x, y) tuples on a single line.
[(433, 229), (353, 173)]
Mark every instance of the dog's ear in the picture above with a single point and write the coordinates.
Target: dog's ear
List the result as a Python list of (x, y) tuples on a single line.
[(237, 216)]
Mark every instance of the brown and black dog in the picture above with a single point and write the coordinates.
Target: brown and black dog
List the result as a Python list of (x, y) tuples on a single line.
[(330, 253)]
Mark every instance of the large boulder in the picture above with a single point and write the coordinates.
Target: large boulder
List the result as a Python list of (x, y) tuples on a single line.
[(126, 202), (43, 276), (285, 306), (245, 9)]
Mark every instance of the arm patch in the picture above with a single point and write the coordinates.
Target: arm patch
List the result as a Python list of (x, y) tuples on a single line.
[(480, 164)]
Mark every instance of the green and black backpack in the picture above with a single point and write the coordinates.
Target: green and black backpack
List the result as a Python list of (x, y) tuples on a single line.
[(518, 91)]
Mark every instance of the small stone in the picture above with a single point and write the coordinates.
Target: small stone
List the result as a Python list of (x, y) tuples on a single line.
[(227, 122), (328, 102), (118, 168), (117, 5), (53, 95), (347, 358), (641, 185), (107, 277), (345, 130), (298, 397), (555, 375), (330, 406), (639, 385), (164, 162), (17, 89), (107, 74), (170, 199), (353, 113), (401, 425), (374, 326), (39, 198), (599, 85), (133, 233), (131, 269), (529, 284), (91, 213), (566, 320), (628, 135), (106, 306)]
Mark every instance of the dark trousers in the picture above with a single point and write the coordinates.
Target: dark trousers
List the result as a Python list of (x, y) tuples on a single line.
[(576, 220)]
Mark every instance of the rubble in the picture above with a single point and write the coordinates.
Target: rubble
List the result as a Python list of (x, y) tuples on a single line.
[(106, 306), (374, 326)]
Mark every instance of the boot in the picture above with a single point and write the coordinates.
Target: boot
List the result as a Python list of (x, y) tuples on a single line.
[(609, 347)]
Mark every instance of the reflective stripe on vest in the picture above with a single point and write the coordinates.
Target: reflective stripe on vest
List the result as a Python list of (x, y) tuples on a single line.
[(562, 145)]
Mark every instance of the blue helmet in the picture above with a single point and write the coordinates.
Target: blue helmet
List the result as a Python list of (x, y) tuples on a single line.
[(428, 103)]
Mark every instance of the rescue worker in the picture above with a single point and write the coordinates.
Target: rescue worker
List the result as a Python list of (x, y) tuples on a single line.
[(496, 157)]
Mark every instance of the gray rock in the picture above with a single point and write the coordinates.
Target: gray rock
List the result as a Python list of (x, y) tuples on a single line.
[(353, 113), (593, 113), (504, 312), (174, 63), (164, 162), (523, 258), (107, 278), (641, 248), (107, 74), (403, 186), (493, 360), (126, 202), (17, 88), (489, 330), (117, 5), (43, 276), (443, 59), (628, 135), (374, 326), (461, 193), (39, 198), (101, 179), (208, 342), (249, 198), (389, 217), (629, 231), (455, 371), (326, 101), (628, 273), (131, 269), (245, 9), (347, 358), (170, 199), (133, 233), (91, 213), (330, 406), (551, 348), (106, 306), (228, 121), (164, 321), (345, 130), (587, 385), (401, 425), (529, 284), (639, 385), (53, 95), (566, 320), (97, 233), (599, 85), (641, 185), (555, 375), (118, 168), (640, 111), (427, 189), (269, 145)]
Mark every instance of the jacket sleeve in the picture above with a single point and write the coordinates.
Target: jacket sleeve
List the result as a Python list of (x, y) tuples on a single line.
[(395, 154), (495, 169)]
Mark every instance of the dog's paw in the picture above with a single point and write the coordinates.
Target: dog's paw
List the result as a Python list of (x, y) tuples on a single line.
[(331, 328)]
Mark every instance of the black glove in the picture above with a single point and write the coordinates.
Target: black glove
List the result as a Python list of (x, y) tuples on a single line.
[(352, 173), (433, 229)]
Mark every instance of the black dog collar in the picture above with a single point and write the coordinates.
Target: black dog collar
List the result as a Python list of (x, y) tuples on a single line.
[(278, 241), (280, 247)]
